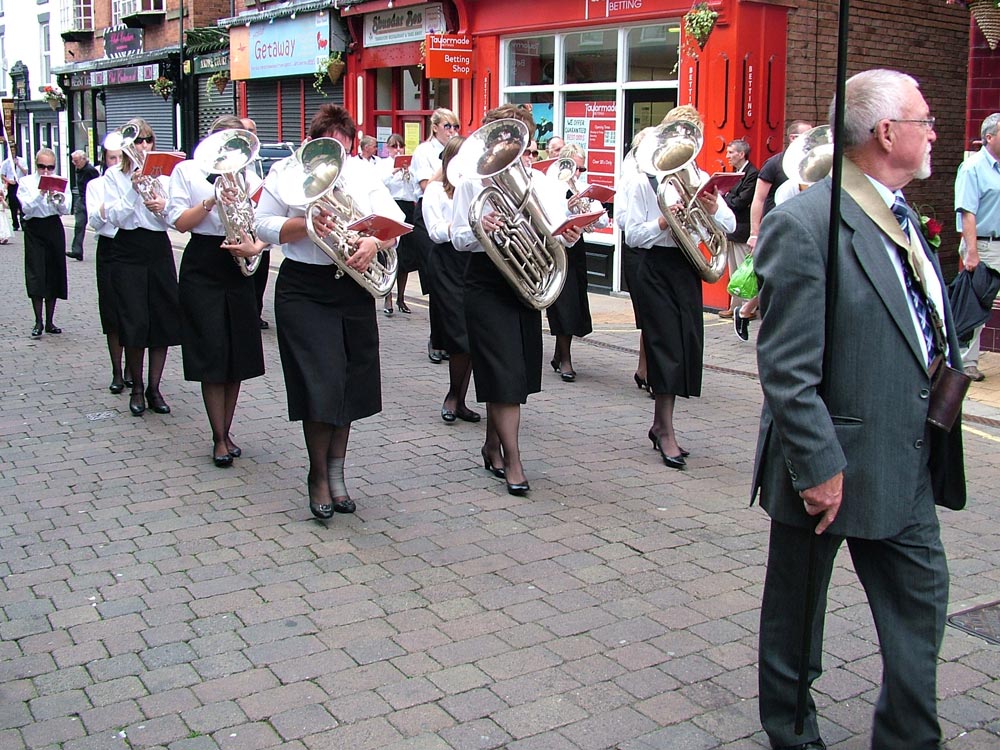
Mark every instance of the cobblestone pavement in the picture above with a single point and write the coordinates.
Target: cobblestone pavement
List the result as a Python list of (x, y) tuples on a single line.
[(150, 600)]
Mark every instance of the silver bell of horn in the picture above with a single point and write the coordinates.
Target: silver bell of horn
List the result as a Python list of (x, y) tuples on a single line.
[(227, 153), (809, 158)]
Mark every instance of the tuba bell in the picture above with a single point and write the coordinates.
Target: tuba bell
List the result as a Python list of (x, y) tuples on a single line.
[(809, 158), (227, 153), (124, 140), (309, 181), (529, 258), (667, 154)]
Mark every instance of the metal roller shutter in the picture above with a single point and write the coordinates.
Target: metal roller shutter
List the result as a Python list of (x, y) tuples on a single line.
[(122, 103), (262, 97), (264, 104), (212, 104), (292, 128)]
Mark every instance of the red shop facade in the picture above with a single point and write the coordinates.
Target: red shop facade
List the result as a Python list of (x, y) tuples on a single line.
[(594, 71)]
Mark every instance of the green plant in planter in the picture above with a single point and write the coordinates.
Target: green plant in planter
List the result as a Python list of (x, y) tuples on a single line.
[(162, 86), (218, 81), (699, 22), (328, 69)]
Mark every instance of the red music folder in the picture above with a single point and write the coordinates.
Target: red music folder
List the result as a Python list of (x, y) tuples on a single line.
[(51, 182), (255, 197), (159, 163), (724, 181), (600, 193), (579, 220), (381, 227), (402, 162), (544, 164)]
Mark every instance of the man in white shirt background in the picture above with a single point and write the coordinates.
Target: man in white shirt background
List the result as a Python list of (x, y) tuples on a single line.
[(11, 171)]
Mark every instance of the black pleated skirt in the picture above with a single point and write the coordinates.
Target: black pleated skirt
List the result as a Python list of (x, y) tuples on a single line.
[(45, 258), (219, 311), (631, 257), (667, 295), (505, 336), (144, 280), (445, 272), (107, 256), (328, 341), (569, 315)]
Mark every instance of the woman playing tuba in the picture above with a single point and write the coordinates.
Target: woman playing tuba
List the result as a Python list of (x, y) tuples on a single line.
[(222, 345), (667, 294), (327, 330)]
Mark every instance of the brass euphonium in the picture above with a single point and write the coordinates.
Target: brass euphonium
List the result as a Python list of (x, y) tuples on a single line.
[(667, 154), (309, 180), (809, 158), (124, 140), (227, 153), (563, 169), (523, 249)]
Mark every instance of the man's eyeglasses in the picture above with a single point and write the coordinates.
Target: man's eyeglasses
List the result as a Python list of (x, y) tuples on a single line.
[(44, 166), (143, 139), (450, 126), (928, 123)]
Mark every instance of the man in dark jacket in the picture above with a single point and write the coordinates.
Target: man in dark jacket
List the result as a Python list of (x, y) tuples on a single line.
[(85, 172), (739, 200)]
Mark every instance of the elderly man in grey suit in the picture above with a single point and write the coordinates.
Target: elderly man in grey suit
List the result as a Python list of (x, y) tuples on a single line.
[(845, 450)]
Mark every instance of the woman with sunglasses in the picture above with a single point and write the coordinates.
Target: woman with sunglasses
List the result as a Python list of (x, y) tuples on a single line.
[(403, 190), (569, 315), (327, 327), (144, 276), (222, 345), (97, 218), (44, 241)]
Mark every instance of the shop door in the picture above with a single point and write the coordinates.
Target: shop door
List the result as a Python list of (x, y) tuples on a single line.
[(643, 109)]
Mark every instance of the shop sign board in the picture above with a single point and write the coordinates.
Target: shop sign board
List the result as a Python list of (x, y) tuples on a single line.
[(118, 76), (122, 42), (397, 25), (591, 125), (448, 56), (287, 47)]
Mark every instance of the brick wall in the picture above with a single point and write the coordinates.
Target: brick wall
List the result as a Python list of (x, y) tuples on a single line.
[(931, 44)]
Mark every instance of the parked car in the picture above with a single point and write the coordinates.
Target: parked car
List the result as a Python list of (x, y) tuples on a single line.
[(270, 153)]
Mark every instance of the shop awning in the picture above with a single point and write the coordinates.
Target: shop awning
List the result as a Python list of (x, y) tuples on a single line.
[(279, 11), (104, 63)]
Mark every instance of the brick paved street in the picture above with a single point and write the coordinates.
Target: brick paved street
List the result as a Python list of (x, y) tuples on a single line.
[(151, 600)]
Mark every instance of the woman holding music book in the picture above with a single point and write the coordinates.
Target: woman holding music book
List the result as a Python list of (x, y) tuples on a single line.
[(396, 175), (569, 315), (446, 271), (106, 255), (144, 276), (44, 197), (327, 329), (667, 294), (505, 333), (222, 345)]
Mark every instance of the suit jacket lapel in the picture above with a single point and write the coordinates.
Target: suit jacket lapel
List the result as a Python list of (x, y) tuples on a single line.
[(866, 208)]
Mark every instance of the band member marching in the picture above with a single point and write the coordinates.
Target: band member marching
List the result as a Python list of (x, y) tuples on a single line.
[(327, 329)]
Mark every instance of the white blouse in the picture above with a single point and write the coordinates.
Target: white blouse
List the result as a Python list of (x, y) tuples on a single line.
[(124, 206), (402, 185), (35, 204), (189, 186), (96, 197), (357, 179), (437, 210), (426, 162)]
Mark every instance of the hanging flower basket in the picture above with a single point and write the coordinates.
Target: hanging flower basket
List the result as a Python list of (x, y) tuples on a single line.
[(699, 22), (987, 16), (53, 96), (328, 69), (162, 86), (218, 81)]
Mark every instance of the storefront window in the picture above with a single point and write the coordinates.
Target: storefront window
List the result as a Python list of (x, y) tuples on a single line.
[(591, 56), (383, 88), (541, 111), (531, 62), (652, 52)]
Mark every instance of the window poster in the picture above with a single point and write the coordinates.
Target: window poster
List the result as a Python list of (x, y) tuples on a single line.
[(591, 125)]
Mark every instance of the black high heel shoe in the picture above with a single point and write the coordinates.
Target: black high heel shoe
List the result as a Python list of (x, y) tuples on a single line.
[(656, 443), (674, 462), (500, 472), (519, 488), (555, 364), (343, 505), (117, 385), (156, 402), (137, 404), (223, 462), (640, 383), (403, 307)]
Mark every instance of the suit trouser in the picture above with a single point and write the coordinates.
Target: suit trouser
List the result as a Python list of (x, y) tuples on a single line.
[(989, 253), (79, 228), (906, 581)]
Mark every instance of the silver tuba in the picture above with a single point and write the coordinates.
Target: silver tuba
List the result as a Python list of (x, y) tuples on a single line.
[(809, 158), (531, 260), (309, 181), (667, 154), (227, 153), (124, 140), (563, 169)]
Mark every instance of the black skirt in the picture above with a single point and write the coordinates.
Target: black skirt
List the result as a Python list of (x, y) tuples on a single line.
[(667, 295), (144, 280), (328, 341), (219, 311), (107, 256), (445, 271), (505, 336), (631, 258), (45, 258), (418, 247), (569, 315)]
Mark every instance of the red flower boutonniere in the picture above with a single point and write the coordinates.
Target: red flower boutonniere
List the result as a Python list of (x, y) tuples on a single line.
[(930, 227)]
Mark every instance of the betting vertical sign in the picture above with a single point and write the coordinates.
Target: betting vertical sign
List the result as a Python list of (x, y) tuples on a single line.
[(591, 125)]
